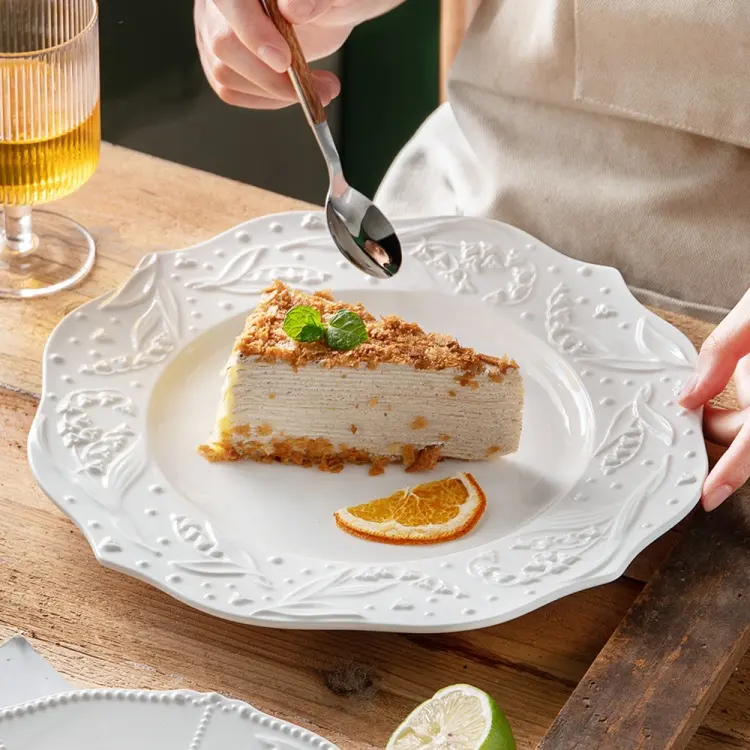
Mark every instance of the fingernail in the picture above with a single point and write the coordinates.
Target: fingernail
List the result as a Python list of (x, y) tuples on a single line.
[(301, 10), (689, 387), (716, 497), (274, 58)]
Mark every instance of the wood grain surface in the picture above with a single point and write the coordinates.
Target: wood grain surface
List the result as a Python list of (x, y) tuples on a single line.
[(674, 651), (101, 628)]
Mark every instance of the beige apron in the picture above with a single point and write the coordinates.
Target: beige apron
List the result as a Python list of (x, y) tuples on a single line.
[(616, 131)]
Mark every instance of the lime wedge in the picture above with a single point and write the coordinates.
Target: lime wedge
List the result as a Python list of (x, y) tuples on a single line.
[(459, 717)]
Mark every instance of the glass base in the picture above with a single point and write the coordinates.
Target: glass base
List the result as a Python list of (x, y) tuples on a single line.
[(62, 255)]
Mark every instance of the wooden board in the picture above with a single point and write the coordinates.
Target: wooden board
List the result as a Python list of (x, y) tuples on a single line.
[(100, 628), (674, 651)]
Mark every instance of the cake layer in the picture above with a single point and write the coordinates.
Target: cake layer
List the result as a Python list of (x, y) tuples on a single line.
[(317, 414)]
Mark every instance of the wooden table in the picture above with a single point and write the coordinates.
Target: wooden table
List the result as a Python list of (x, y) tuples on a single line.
[(100, 628)]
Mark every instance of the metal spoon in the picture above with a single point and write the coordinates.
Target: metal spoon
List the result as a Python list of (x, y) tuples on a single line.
[(361, 232)]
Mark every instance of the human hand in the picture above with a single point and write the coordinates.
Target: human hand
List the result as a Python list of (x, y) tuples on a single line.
[(245, 58), (726, 352)]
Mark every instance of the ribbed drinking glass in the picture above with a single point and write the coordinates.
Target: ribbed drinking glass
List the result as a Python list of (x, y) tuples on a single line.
[(49, 140)]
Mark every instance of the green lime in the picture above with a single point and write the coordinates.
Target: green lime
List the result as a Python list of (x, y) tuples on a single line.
[(459, 717)]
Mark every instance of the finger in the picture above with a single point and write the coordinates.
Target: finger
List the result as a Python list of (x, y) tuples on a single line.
[(233, 89), (247, 101), (299, 12), (228, 84), (353, 12), (248, 20), (742, 381), (721, 426), (327, 84), (226, 47), (318, 42), (247, 95), (731, 471), (233, 55), (223, 75), (227, 50), (728, 343)]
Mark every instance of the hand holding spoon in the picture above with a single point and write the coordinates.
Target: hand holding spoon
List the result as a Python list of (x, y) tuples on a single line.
[(360, 230)]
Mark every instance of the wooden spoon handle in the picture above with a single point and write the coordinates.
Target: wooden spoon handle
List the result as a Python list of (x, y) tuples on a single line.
[(300, 68)]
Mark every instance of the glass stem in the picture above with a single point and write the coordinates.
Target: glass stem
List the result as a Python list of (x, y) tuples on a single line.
[(19, 237)]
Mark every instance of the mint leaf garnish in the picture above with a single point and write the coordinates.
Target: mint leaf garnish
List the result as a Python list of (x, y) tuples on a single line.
[(346, 330), (304, 324)]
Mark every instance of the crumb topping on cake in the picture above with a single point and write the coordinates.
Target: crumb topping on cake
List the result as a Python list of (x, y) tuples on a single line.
[(391, 340), (426, 459)]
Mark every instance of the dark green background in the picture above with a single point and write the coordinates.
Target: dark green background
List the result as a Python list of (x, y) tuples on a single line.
[(390, 84), (154, 98)]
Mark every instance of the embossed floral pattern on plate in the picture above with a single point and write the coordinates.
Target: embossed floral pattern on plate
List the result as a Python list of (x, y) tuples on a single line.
[(643, 459)]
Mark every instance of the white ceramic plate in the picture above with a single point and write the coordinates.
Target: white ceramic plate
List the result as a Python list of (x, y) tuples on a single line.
[(608, 460), (127, 719)]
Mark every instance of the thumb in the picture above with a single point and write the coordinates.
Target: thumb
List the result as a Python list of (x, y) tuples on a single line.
[(719, 355)]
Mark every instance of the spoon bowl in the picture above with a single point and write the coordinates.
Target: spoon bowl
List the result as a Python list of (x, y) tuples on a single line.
[(363, 234)]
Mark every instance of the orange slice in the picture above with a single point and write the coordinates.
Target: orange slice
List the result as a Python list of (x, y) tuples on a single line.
[(428, 513)]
